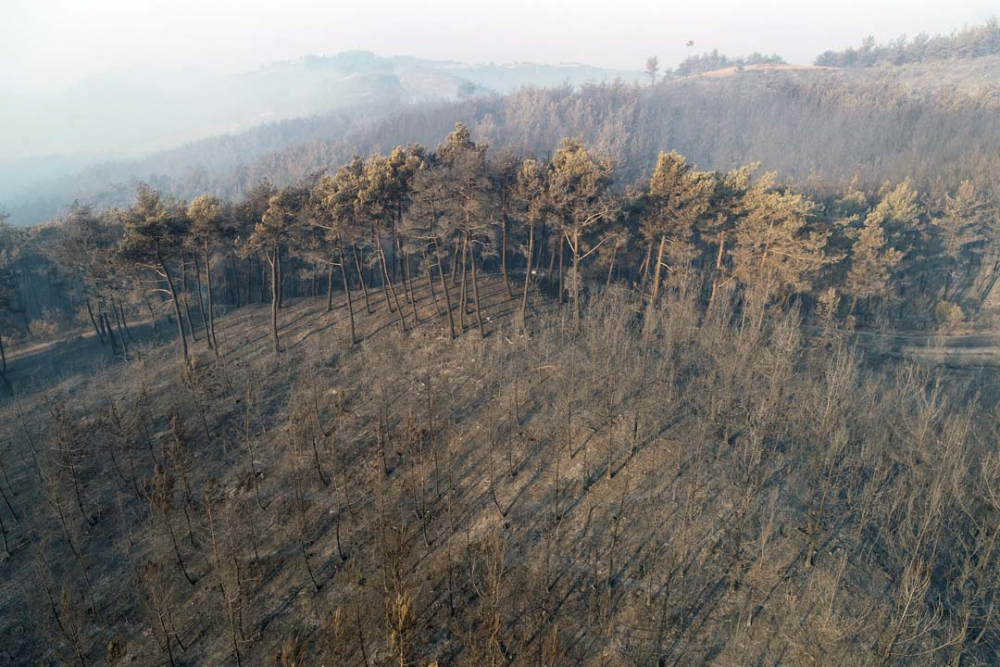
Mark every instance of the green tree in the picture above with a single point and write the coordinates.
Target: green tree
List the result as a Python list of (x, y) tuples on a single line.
[(900, 210), (245, 216), (465, 174), (338, 196), (579, 189), (207, 231), (678, 197), (503, 173), (872, 262), (379, 203), (532, 193), (728, 206), (271, 235), (429, 224), (86, 251), (154, 236), (775, 248), (962, 227)]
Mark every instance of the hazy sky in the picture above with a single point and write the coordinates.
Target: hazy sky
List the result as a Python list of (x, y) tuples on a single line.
[(51, 42)]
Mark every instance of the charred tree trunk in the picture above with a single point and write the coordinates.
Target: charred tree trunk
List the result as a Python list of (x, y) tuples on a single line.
[(3, 363), (120, 332), (121, 311), (361, 278), (102, 322), (430, 281), (201, 302), (383, 272), (211, 298), (575, 248), (106, 325), (152, 317), (527, 277), (463, 293), (611, 264), (388, 287), (93, 321), (177, 307), (454, 263), (279, 277), (187, 306), (263, 281), (475, 290), (503, 251), (718, 270), (562, 243), (275, 295), (347, 291), (444, 287), (236, 278), (408, 281), (656, 276), (397, 251), (329, 287)]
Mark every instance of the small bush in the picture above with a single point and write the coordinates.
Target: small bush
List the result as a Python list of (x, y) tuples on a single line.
[(47, 325), (81, 318), (948, 315)]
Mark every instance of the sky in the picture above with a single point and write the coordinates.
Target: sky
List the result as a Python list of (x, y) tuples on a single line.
[(53, 43)]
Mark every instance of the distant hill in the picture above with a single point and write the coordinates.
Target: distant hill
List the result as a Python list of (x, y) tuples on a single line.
[(934, 122), (129, 112), (132, 113)]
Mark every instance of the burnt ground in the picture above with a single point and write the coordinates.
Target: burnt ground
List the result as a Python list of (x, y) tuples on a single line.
[(405, 465)]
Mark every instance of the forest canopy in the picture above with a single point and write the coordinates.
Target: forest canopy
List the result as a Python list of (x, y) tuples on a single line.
[(975, 41), (713, 60)]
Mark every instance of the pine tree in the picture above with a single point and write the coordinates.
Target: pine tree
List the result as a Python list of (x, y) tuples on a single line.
[(207, 230), (579, 189), (531, 192), (466, 186), (728, 205), (153, 237), (963, 230), (87, 252), (775, 248), (503, 173), (678, 197), (379, 204), (872, 262), (652, 69), (337, 197), (278, 225)]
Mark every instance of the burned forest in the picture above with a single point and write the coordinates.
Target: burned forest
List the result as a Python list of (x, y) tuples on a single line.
[(537, 388)]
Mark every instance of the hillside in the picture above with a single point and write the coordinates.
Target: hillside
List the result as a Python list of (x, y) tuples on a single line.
[(366, 361), (465, 408), (625, 493)]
